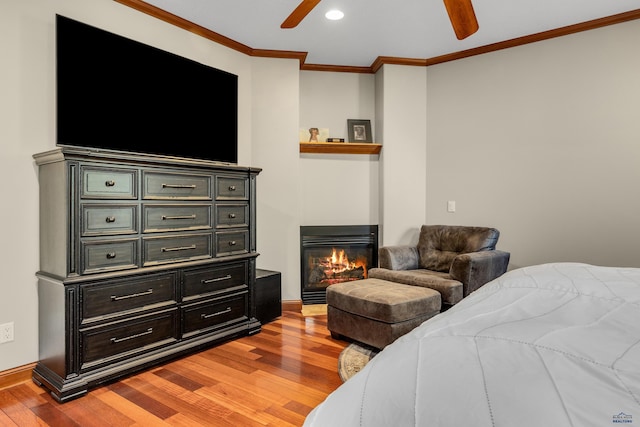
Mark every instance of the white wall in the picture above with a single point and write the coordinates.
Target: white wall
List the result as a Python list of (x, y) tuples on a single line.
[(328, 99), (543, 142), (332, 189), (337, 189), (269, 118), (27, 108), (404, 153), (275, 129)]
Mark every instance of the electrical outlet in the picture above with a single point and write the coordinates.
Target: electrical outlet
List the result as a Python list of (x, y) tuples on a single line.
[(6, 332)]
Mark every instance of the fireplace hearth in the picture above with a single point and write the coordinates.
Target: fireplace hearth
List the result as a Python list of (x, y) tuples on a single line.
[(334, 254)]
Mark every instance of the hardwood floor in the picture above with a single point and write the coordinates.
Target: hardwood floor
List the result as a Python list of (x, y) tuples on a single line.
[(273, 378)]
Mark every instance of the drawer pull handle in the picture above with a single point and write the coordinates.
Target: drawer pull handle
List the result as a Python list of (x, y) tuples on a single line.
[(139, 294), (165, 217), (232, 215), (130, 337), (111, 219), (111, 255), (180, 248), (110, 183), (232, 188), (217, 279), (232, 242), (190, 187), (207, 316)]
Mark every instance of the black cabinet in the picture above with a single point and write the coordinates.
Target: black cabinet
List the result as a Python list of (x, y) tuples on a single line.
[(268, 295)]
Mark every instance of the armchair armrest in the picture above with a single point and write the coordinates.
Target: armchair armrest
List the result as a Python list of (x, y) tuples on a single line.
[(474, 269), (398, 257)]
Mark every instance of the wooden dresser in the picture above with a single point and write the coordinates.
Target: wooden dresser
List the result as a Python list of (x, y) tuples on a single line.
[(142, 259)]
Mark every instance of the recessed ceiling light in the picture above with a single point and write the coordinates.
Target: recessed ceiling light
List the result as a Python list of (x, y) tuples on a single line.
[(334, 15)]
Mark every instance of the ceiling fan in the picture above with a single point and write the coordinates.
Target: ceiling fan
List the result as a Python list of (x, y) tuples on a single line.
[(461, 14)]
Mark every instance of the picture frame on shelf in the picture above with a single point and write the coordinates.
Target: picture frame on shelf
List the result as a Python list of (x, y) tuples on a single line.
[(314, 135), (359, 131)]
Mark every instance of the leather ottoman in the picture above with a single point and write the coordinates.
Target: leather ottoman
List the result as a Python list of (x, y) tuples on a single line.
[(377, 312)]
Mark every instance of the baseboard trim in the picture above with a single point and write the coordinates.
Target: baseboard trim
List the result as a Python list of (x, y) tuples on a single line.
[(292, 306), (15, 376)]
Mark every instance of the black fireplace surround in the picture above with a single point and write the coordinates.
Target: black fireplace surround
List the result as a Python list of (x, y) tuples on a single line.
[(333, 254)]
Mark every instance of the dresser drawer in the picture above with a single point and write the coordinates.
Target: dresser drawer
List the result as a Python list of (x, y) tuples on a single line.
[(206, 281), (232, 242), (200, 318), (232, 188), (108, 299), (175, 217), (109, 219), (157, 250), (176, 186), (105, 183), (232, 215), (125, 339), (105, 255)]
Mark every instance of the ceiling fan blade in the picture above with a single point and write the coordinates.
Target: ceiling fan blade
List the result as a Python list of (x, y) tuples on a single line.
[(462, 16), (299, 13)]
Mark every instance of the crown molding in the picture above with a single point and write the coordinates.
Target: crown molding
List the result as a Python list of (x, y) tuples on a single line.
[(170, 18), (394, 60), (533, 38), (282, 54), (179, 22), (336, 68)]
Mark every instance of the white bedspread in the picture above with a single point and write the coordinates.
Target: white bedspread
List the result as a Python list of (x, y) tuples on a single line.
[(550, 345)]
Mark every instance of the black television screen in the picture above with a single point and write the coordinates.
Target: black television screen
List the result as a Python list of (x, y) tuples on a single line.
[(119, 94)]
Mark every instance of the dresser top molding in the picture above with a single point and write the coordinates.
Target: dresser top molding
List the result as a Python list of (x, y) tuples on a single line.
[(66, 153)]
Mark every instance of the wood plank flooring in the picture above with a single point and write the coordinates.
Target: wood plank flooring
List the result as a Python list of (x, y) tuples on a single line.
[(273, 378)]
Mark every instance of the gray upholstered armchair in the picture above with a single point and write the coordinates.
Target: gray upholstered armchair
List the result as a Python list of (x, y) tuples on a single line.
[(454, 260)]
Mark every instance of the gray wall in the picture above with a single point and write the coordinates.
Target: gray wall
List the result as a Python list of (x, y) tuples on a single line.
[(543, 142)]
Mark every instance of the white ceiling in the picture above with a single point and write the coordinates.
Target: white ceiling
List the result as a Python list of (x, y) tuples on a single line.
[(417, 29)]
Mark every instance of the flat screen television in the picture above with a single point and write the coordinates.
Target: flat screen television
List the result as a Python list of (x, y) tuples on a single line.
[(119, 94)]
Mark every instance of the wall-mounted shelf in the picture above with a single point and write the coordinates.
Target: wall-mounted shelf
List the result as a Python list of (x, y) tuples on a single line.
[(339, 148)]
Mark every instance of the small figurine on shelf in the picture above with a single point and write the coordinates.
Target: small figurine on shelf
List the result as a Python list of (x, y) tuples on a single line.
[(313, 134)]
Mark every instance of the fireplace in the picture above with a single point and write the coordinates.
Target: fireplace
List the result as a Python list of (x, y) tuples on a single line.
[(334, 254)]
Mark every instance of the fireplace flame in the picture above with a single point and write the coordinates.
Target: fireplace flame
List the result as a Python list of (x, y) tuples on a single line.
[(337, 268), (339, 261)]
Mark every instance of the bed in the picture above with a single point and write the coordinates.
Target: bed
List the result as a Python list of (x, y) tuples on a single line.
[(548, 345)]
